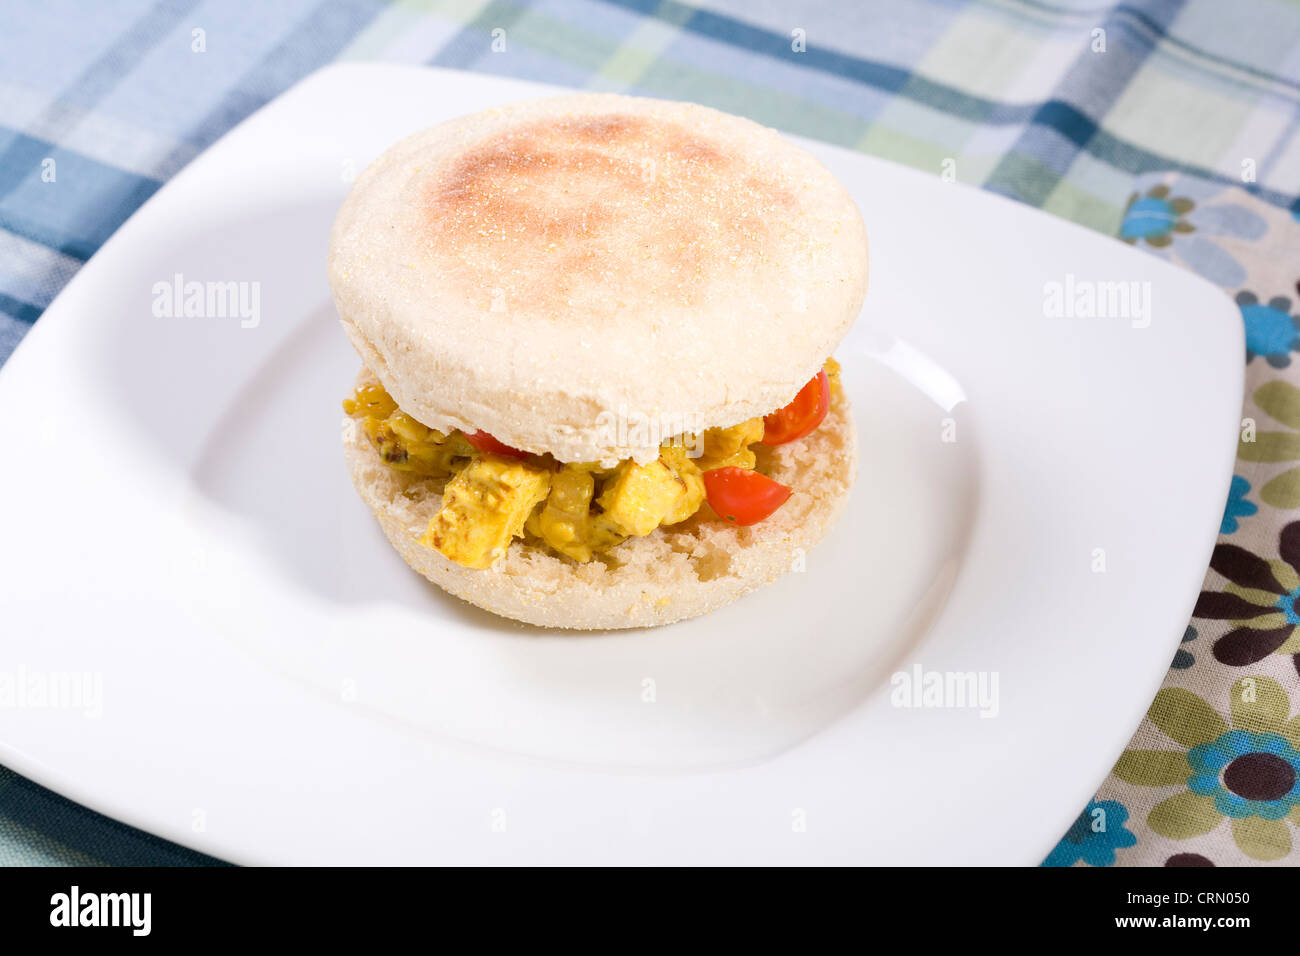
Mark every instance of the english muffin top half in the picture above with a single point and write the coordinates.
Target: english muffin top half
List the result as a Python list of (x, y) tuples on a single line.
[(543, 270)]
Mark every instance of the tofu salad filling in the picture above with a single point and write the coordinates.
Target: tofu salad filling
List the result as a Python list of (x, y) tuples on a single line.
[(494, 493)]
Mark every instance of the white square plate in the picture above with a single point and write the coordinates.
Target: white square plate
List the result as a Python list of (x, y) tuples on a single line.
[(277, 686)]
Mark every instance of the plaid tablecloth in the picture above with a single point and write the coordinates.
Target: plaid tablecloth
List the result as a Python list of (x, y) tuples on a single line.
[(1172, 122)]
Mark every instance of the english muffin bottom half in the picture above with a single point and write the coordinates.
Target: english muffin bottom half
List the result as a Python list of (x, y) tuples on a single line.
[(673, 573), (521, 283)]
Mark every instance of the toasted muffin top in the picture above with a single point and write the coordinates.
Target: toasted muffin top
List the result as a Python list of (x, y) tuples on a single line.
[(589, 274)]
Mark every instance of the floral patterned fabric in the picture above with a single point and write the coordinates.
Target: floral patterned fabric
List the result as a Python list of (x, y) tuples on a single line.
[(1212, 776)]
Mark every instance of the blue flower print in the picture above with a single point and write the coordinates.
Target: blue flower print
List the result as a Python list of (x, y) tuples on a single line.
[(1238, 506), (1155, 217), (1271, 330), (1095, 836), (1247, 774), (1184, 659), (1181, 223)]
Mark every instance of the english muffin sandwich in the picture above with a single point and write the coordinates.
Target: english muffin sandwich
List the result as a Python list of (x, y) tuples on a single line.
[(596, 332)]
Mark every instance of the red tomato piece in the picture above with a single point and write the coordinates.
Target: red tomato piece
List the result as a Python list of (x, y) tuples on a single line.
[(742, 496), (802, 416), (490, 446)]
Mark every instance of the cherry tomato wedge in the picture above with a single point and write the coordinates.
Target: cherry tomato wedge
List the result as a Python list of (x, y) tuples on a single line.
[(802, 416), (490, 446), (742, 496)]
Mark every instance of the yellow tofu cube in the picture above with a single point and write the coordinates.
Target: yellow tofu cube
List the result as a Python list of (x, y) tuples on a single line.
[(564, 520), (638, 497), (730, 446), (692, 479), (484, 508)]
